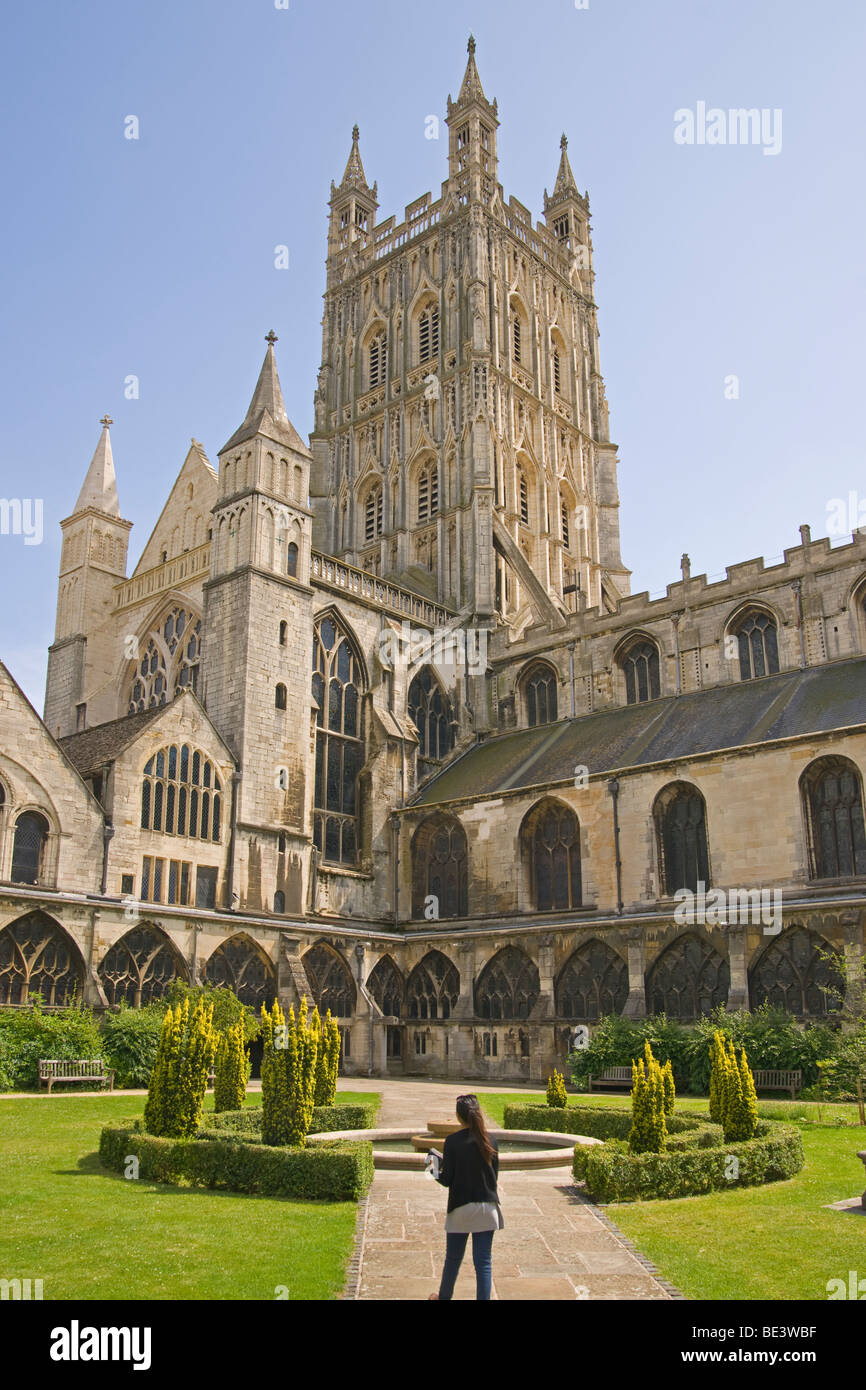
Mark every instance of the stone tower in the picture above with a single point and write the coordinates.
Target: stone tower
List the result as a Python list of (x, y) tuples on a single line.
[(461, 438), (257, 641), (84, 654)]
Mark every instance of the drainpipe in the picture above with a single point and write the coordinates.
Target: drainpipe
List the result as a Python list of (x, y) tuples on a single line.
[(230, 867), (395, 827), (571, 660), (359, 957), (797, 586), (613, 789), (107, 837)]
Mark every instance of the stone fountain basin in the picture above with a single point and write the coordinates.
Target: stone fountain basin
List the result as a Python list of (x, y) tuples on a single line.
[(544, 1150)]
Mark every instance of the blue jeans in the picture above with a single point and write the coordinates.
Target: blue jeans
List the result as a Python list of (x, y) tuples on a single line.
[(455, 1248)]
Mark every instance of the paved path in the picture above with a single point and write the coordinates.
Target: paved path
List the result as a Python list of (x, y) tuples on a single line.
[(554, 1246)]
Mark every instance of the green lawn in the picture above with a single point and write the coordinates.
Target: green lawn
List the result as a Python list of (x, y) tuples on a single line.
[(91, 1234), (772, 1242)]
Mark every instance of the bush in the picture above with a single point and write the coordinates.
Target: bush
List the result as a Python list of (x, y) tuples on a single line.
[(328, 1059), (618, 1041), (289, 1063), (227, 1008), (557, 1096), (610, 1175), (29, 1035), (129, 1040), (184, 1056), (648, 1129), (741, 1114), (231, 1069), (598, 1122), (337, 1171), (325, 1119)]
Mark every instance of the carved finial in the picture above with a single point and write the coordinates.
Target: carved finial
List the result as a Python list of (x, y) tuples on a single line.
[(470, 47), (106, 420), (563, 144), (355, 133), (686, 567), (271, 338)]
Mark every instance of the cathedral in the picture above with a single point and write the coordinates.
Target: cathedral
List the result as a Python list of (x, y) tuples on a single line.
[(376, 718)]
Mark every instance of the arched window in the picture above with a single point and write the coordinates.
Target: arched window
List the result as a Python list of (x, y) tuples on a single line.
[(433, 987), (428, 492), (292, 560), (284, 629), (140, 967), (563, 518), (681, 826), (28, 847), (515, 336), (757, 638), (833, 803), (279, 901), (170, 661), (551, 841), (439, 868), (798, 972), (373, 514), (377, 357), (640, 666), (280, 696), (37, 958), (428, 333), (688, 980), (592, 984), (330, 980), (181, 794), (385, 983), (539, 693), (523, 497), (241, 966), (337, 687), (508, 986), (557, 372), (430, 711)]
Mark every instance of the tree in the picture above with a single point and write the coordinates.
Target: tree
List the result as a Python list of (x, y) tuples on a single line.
[(231, 1069), (648, 1131), (328, 1061), (288, 1074), (557, 1096), (718, 1075), (670, 1090), (178, 1082)]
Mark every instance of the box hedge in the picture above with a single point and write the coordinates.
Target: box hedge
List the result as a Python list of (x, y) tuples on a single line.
[(775, 1153), (326, 1118), (684, 1131), (337, 1171)]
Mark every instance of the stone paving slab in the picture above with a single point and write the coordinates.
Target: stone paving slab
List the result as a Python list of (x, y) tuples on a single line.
[(554, 1245)]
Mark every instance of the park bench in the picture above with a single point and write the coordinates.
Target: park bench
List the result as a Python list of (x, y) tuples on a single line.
[(612, 1076), (779, 1081), (52, 1071)]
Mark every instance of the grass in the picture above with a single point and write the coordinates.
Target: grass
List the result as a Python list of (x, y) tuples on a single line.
[(771, 1242), (89, 1234)]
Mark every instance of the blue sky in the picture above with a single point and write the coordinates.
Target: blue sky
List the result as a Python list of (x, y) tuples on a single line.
[(155, 257)]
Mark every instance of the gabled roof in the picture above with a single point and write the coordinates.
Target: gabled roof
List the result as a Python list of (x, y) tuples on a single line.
[(794, 704), (92, 749)]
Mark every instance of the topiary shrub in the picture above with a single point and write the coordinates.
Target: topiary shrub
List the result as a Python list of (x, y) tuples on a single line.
[(178, 1082), (649, 1130), (231, 1069), (291, 1049), (325, 1118), (670, 1090), (557, 1096), (328, 1059)]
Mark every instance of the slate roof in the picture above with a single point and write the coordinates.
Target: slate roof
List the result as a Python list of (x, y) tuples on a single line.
[(793, 704), (90, 750)]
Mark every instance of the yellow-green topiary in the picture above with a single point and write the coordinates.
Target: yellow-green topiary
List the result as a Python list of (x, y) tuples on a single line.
[(670, 1090), (648, 1131), (557, 1096), (231, 1069), (288, 1074), (328, 1060), (178, 1082), (741, 1117), (718, 1073)]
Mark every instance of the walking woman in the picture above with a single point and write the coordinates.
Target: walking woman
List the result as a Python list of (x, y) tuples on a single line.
[(470, 1167)]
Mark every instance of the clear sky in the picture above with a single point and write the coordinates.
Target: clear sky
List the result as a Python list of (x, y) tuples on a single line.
[(155, 257)]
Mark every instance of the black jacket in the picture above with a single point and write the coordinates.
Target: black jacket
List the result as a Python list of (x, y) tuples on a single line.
[(464, 1172)]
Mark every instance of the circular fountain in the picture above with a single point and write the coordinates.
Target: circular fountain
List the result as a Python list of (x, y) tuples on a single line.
[(407, 1149)]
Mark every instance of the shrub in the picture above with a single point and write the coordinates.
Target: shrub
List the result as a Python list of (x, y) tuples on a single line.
[(557, 1095), (129, 1040), (718, 1072), (179, 1078), (328, 1060), (670, 1090), (227, 1008), (29, 1035), (288, 1075), (607, 1122), (338, 1171), (231, 1069), (648, 1131), (775, 1153), (741, 1113), (325, 1118)]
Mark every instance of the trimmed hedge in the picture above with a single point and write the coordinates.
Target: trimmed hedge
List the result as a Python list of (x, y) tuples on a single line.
[(338, 1171), (684, 1131), (325, 1119), (775, 1153)]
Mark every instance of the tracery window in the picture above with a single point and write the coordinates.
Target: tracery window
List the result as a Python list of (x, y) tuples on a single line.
[(688, 980), (539, 693), (170, 662), (757, 639), (28, 847), (798, 972), (330, 980), (439, 868), (557, 372), (592, 984), (640, 666), (833, 801), (373, 514), (430, 711), (523, 497), (181, 794), (515, 337), (428, 333), (337, 687), (563, 516), (140, 967), (508, 986), (551, 836), (433, 987), (681, 825), (386, 986), (378, 359), (241, 966), (37, 958), (428, 492)]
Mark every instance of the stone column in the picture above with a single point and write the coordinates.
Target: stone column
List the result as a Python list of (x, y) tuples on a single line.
[(853, 924), (635, 1005), (738, 993)]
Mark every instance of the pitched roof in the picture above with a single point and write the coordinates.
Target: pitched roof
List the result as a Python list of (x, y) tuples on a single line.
[(565, 185), (267, 410), (90, 750), (791, 705), (99, 488)]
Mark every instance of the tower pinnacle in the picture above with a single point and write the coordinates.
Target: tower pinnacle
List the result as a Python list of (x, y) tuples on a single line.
[(99, 489)]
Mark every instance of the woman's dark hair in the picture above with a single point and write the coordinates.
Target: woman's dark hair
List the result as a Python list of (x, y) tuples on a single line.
[(469, 1111)]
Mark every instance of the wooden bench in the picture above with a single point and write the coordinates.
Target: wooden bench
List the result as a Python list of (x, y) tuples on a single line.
[(779, 1081), (52, 1071), (613, 1076)]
